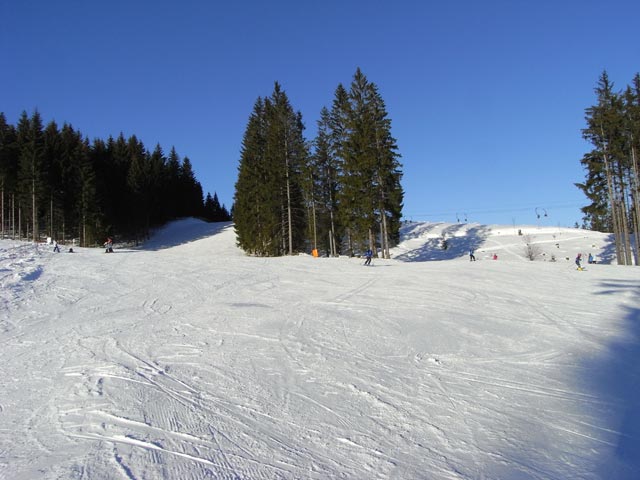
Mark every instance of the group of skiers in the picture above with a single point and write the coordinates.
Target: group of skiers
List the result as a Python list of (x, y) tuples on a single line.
[(368, 255), (56, 247), (108, 245), (590, 260)]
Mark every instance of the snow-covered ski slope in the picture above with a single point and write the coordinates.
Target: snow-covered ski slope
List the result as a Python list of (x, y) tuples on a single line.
[(186, 359)]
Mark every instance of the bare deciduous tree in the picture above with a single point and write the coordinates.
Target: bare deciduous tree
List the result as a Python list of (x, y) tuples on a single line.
[(531, 250)]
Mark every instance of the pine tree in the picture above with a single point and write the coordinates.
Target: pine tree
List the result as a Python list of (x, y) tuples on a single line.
[(610, 165), (31, 143), (387, 175), (632, 127), (8, 173), (191, 191), (597, 215), (269, 200), (158, 209), (213, 210), (370, 197), (326, 169), (70, 152), (138, 182), (51, 170), (286, 155), (172, 191), (86, 204), (251, 212), (339, 126)]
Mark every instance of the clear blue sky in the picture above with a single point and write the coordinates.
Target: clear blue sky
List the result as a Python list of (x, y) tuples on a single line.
[(486, 98)]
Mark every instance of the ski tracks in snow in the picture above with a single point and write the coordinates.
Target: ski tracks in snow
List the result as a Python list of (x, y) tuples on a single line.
[(165, 415)]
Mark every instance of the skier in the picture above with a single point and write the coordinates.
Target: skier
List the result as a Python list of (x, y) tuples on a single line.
[(368, 255), (56, 248), (590, 259), (578, 260), (472, 257), (108, 245)]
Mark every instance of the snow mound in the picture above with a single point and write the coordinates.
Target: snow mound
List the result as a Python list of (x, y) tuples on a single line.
[(183, 231)]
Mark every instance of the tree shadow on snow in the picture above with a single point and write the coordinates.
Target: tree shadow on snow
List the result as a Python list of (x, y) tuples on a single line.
[(460, 240), (615, 379), (608, 253), (182, 232)]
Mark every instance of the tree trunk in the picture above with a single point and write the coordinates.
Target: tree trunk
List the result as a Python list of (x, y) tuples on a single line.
[(372, 243), (385, 238), (13, 215), (612, 198), (332, 232), (288, 185), (51, 214), (34, 213), (314, 231), (625, 231), (636, 201)]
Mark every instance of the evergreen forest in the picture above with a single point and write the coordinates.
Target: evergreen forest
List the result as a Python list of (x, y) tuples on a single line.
[(55, 183), (612, 183), (338, 194)]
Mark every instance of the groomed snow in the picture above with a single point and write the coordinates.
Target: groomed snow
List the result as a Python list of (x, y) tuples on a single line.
[(186, 359)]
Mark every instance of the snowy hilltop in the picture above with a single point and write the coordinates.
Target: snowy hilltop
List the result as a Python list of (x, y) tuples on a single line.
[(187, 359)]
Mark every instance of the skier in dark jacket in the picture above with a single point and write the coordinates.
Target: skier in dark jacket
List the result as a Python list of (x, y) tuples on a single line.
[(578, 260), (368, 255)]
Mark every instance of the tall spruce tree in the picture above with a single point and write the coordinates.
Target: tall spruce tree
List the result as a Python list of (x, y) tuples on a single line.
[(370, 194), (172, 190), (86, 202), (31, 144), (157, 192), (269, 200), (138, 182), (326, 169), (286, 155), (388, 174), (191, 191), (213, 210), (251, 213), (632, 122), (8, 173), (611, 128)]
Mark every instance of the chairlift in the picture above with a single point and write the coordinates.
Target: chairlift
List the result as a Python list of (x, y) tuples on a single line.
[(538, 214)]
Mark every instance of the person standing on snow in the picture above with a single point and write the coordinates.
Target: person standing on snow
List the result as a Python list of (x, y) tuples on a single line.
[(578, 260), (56, 248), (368, 255), (472, 257)]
